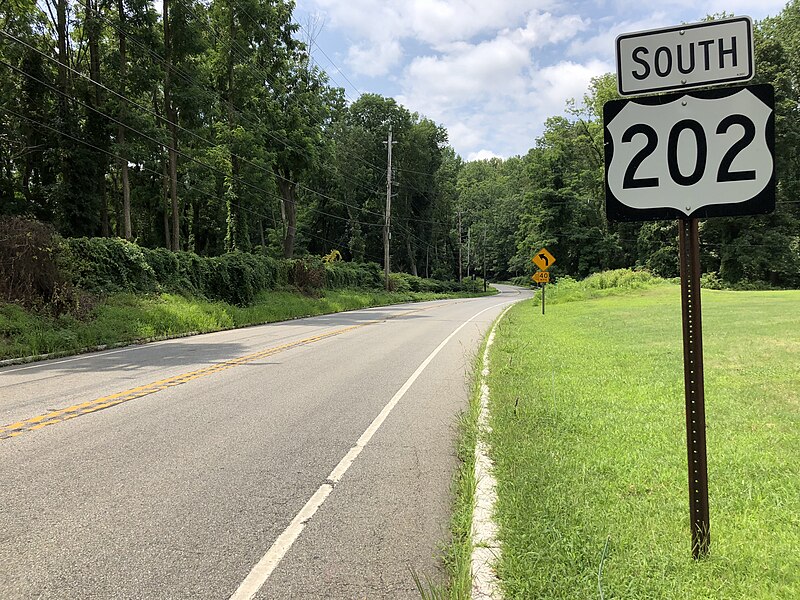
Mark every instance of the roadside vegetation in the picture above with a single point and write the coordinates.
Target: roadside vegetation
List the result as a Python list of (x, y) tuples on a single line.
[(63, 296), (162, 131), (588, 439), (125, 318)]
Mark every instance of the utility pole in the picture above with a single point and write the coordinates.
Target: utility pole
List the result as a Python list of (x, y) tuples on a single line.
[(469, 242), (388, 215)]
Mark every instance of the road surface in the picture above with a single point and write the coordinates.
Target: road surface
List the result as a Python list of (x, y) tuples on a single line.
[(305, 459)]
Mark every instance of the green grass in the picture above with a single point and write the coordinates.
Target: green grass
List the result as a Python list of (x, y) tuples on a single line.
[(127, 318), (458, 554), (589, 445)]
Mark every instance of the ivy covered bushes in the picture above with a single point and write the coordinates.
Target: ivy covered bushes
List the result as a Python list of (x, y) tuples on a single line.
[(103, 265), (40, 269)]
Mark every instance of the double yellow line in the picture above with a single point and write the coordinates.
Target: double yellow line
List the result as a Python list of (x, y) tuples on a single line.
[(76, 410)]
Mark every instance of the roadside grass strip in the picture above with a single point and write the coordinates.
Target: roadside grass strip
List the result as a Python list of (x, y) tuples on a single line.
[(588, 442), (485, 547), (122, 319)]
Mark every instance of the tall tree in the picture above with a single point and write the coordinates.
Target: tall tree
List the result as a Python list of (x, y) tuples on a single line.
[(171, 117)]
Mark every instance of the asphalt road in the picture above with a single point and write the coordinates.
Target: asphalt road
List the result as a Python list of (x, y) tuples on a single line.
[(169, 470)]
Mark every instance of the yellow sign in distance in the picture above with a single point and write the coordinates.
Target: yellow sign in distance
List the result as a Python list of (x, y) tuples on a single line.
[(543, 259), (541, 277)]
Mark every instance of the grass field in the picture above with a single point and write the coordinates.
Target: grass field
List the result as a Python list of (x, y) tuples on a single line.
[(589, 445), (129, 318)]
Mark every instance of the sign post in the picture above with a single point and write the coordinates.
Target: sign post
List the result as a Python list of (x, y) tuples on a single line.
[(689, 244), (543, 259), (690, 155)]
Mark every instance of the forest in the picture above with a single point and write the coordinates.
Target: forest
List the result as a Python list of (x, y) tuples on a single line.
[(208, 127)]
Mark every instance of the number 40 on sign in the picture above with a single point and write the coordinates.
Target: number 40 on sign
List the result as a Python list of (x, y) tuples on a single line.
[(541, 277)]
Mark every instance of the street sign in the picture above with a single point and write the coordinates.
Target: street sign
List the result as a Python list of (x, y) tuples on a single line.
[(543, 259), (541, 277), (698, 154), (685, 56)]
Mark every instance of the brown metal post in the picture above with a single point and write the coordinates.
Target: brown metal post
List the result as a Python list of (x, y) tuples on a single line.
[(543, 286), (695, 390)]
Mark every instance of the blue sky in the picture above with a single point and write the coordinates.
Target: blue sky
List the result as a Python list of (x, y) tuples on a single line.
[(490, 71)]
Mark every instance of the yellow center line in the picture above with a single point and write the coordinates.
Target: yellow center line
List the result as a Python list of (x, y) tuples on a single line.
[(76, 410), (70, 412)]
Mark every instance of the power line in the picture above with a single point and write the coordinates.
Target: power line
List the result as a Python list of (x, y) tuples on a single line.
[(161, 144), (208, 93), (147, 110), (165, 120), (277, 224), (330, 60)]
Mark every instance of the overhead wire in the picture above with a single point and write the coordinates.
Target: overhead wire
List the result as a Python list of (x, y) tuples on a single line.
[(165, 120), (164, 145), (241, 54), (277, 224)]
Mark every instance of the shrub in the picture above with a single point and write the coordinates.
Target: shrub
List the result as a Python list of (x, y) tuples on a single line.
[(238, 277), (105, 265), (398, 283), (308, 275), (366, 276), (33, 266)]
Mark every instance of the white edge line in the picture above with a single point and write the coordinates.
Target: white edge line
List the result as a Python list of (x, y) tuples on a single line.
[(263, 569), (485, 547)]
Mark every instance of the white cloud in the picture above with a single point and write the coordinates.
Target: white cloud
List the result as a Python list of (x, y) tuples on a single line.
[(374, 59), (492, 71), (482, 155), (495, 69), (381, 26), (603, 43), (692, 11), (555, 84), (544, 28)]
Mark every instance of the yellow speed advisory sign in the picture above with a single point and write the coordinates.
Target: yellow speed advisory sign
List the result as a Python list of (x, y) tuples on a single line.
[(541, 277), (543, 259)]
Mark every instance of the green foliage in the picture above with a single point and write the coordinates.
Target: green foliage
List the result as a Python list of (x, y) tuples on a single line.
[(103, 265), (339, 275), (124, 318), (593, 447), (606, 283), (290, 167), (32, 265)]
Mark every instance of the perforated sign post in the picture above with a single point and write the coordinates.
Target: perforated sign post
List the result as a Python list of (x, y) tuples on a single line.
[(691, 155), (544, 260)]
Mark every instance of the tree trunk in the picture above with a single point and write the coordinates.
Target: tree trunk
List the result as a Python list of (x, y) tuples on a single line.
[(169, 113), (123, 161), (411, 258), (196, 245), (289, 213), (61, 27), (165, 195), (459, 247), (63, 86), (233, 233), (96, 124)]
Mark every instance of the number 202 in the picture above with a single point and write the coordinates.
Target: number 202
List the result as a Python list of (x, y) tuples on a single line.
[(724, 172)]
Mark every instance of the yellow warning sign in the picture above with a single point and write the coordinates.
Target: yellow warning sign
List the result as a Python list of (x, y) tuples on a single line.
[(541, 277), (543, 259)]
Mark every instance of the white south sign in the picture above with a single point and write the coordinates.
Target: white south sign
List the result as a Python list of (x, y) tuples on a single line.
[(703, 153), (686, 56)]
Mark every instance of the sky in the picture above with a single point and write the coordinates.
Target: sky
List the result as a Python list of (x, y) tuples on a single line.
[(490, 71)]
